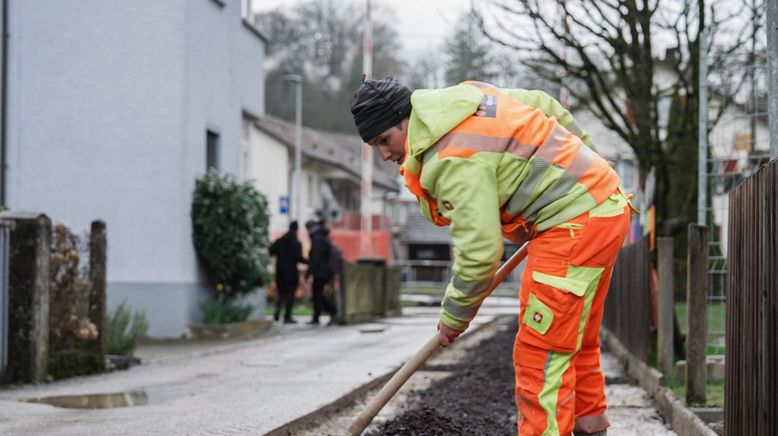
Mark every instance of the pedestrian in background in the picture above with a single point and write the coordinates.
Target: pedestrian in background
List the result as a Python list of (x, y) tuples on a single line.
[(288, 252), (320, 269), (338, 267)]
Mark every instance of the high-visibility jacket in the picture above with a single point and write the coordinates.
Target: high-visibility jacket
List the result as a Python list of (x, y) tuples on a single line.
[(495, 163)]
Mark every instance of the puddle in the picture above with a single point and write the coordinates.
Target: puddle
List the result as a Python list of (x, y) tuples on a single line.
[(96, 401)]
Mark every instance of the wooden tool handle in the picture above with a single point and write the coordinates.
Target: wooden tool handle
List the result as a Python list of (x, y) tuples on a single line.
[(393, 385), (425, 352)]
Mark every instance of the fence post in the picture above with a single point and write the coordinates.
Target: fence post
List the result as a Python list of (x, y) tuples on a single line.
[(97, 272), (665, 315), (697, 314), (28, 327)]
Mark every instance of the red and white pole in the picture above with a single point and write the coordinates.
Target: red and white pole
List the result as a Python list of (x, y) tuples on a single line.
[(367, 152)]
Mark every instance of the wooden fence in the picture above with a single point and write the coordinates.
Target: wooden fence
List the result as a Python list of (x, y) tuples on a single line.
[(628, 306), (751, 394)]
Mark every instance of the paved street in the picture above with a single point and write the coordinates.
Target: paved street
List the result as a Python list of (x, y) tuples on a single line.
[(256, 386)]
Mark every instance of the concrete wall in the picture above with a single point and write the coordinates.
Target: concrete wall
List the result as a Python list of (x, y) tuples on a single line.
[(109, 104)]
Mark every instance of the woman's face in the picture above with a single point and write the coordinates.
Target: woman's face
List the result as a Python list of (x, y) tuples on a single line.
[(391, 142)]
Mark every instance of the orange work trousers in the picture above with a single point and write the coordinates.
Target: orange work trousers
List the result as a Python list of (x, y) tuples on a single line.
[(559, 384)]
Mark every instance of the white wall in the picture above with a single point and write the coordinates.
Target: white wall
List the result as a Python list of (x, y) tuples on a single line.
[(109, 103), (270, 165)]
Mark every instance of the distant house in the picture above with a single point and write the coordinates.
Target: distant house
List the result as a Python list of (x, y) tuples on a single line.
[(330, 163), (113, 109), (738, 143), (427, 251)]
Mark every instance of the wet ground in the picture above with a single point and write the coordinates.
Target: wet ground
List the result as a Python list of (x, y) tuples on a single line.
[(318, 378), (248, 387)]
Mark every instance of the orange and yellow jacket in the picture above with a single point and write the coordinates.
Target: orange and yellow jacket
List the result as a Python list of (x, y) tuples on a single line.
[(494, 163)]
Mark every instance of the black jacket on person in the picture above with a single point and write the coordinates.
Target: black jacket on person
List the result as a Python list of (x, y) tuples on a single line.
[(288, 252), (319, 260)]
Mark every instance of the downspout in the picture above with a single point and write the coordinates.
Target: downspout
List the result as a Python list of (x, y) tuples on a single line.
[(4, 104)]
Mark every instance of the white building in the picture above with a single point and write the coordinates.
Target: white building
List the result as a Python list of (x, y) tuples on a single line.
[(327, 158), (113, 109)]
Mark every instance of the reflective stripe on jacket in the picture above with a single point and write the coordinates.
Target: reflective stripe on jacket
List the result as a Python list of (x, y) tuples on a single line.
[(493, 163)]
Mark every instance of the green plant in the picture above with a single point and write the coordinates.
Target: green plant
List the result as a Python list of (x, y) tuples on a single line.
[(714, 392), (124, 328), (219, 311), (229, 231)]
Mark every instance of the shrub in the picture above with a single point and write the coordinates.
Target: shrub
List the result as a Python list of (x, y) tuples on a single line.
[(219, 311), (124, 328), (229, 230)]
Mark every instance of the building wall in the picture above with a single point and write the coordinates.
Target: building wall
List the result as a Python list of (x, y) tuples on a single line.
[(109, 103), (270, 165)]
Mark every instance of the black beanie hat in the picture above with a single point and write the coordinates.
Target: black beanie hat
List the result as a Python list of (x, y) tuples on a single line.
[(379, 105)]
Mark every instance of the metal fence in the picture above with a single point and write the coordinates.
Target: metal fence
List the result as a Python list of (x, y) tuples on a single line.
[(738, 147), (628, 306), (751, 396)]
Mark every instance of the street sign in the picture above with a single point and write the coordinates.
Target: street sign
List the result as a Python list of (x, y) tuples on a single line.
[(283, 202)]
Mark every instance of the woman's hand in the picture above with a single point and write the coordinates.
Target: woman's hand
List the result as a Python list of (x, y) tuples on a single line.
[(447, 335)]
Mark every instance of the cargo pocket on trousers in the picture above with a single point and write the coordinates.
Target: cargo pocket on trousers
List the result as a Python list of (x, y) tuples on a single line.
[(553, 311)]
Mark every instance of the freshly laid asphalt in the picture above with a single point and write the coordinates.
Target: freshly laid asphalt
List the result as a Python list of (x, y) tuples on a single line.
[(249, 387)]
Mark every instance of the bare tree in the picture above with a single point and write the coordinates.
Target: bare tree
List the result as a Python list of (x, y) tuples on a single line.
[(468, 53), (605, 54), (322, 40)]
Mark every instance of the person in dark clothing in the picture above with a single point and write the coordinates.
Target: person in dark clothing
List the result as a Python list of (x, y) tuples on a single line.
[(288, 252), (319, 267)]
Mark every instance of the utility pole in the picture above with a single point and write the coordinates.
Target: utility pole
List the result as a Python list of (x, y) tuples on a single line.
[(702, 155), (772, 68), (366, 227)]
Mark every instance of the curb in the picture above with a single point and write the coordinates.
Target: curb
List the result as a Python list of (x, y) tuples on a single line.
[(682, 420), (309, 421)]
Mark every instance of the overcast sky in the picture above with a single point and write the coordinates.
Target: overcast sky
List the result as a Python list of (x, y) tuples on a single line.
[(423, 23)]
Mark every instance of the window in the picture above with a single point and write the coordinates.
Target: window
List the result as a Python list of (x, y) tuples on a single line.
[(211, 150), (743, 142)]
